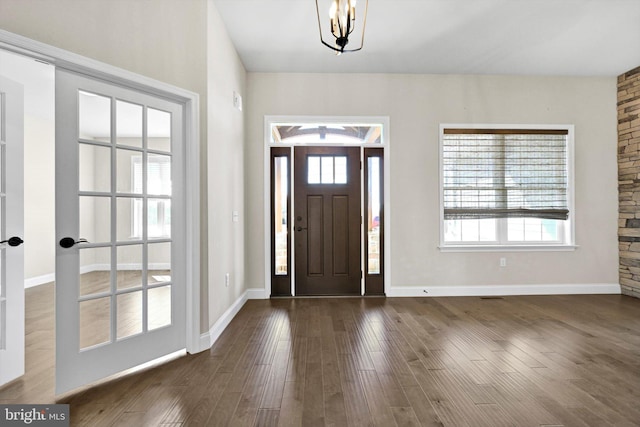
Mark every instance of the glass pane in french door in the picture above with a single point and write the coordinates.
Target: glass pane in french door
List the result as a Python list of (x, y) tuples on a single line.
[(3, 290), (125, 216)]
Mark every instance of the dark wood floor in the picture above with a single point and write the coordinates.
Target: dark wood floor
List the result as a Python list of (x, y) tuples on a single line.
[(517, 361)]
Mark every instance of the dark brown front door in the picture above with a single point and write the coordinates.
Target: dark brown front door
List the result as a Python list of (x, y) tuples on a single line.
[(327, 220)]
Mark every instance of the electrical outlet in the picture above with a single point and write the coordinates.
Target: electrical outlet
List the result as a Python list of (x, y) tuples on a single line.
[(503, 262), (227, 279)]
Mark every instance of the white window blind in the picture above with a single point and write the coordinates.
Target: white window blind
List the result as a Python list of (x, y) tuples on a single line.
[(505, 173)]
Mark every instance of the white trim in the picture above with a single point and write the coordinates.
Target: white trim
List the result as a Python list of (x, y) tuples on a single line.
[(191, 127), (128, 267), (364, 120), (507, 248), (39, 280), (256, 293), (89, 67), (211, 336), (267, 207), (73, 62), (504, 290)]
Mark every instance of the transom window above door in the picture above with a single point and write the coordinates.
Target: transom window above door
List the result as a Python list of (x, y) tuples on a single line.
[(323, 133)]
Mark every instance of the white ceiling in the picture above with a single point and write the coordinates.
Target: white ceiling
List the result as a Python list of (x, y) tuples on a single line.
[(526, 37)]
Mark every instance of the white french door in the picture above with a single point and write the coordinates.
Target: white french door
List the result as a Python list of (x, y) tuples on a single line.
[(120, 228), (11, 230)]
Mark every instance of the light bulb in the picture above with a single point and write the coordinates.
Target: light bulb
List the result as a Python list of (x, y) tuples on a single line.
[(333, 9)]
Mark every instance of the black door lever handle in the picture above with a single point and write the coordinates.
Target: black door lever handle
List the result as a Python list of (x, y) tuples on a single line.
[(13, 241), (301, 228), (67, 242)]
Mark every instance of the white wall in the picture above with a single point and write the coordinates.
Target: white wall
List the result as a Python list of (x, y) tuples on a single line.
[(39, 182), (225, 153), (416, 105)]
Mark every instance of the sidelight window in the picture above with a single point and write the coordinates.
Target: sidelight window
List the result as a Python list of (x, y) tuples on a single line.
[(374, 220), (280, 220)]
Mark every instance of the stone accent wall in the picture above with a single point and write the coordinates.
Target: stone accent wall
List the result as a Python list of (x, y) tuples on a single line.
[(629, 181)]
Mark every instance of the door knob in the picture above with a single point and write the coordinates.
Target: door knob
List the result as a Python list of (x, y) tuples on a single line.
[(13, 241), (67, 242), (302, 228)]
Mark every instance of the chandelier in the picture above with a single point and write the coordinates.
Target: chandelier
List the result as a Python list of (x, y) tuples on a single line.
[(342, 23)]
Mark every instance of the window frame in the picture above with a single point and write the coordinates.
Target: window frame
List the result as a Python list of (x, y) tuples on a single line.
[(501, 242)]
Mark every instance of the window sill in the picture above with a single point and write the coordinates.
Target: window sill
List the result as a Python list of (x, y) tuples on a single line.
[(507, 248)]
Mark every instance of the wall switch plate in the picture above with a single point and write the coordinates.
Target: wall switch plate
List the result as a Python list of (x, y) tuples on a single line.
[(503, 262), (227, 279)]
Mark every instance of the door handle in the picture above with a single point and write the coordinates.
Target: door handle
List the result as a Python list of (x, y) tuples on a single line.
[(13, 241), (301, 228), (67, 242)]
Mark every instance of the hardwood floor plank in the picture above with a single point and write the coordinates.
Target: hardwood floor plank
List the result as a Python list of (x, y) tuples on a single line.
[(335, 410), (447, 412), (274, 386), (222, 413), (379, 405), (422, 408), (313, 409), (298, 361), (389, 384), (405, 417), (292, 404), (194, 399), (252, 394), (267, 418), (358, 413)]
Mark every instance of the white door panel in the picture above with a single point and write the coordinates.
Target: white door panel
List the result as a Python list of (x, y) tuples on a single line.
[(11, 225), (120, 225)]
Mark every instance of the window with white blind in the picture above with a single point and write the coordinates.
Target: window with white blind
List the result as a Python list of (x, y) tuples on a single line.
[(503, 186)]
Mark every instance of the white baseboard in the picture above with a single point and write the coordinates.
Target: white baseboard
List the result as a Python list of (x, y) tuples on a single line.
[(39, 280), (504, 290), (209, 338), (257, 293)]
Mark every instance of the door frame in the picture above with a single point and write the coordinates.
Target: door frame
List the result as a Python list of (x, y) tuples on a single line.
[(70, 61), (267, 145)]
